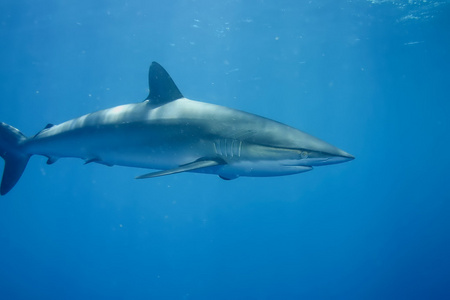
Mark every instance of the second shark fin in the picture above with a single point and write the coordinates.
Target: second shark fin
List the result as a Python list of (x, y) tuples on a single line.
[(198, 164)]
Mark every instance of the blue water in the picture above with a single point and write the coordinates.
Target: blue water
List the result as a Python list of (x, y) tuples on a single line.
[(370, 77)]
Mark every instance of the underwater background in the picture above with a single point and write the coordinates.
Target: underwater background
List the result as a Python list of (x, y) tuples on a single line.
[(370, 77)]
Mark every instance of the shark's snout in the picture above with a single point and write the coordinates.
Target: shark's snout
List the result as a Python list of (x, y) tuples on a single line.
[(325, 154), (340, 158)]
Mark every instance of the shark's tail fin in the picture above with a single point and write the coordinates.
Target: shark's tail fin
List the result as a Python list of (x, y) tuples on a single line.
[(15, 159)]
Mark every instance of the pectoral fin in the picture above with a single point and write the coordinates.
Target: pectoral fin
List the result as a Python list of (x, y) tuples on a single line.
[(199, 164)]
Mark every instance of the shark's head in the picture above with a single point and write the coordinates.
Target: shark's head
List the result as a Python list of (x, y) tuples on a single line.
[(283, 150)]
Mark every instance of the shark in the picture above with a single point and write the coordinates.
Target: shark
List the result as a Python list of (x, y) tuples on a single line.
[(171, 134)]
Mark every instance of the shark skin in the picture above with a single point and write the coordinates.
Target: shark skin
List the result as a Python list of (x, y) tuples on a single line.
[(173, 134)]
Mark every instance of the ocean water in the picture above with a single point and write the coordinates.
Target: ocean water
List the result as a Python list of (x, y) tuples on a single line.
[(371, 77)]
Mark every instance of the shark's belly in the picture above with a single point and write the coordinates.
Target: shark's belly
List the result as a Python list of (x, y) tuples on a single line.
[(146, 146)]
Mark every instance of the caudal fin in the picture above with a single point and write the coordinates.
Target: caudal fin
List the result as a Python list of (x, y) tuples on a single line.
[(15, 159)]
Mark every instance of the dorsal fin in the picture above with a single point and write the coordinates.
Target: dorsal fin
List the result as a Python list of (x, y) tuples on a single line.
[(49, 125), (162, 88)]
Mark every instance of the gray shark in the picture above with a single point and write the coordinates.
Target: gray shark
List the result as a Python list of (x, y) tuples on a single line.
[(172, 134)]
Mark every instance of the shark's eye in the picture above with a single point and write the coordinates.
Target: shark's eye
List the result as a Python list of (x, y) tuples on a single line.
[(304, 154)]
